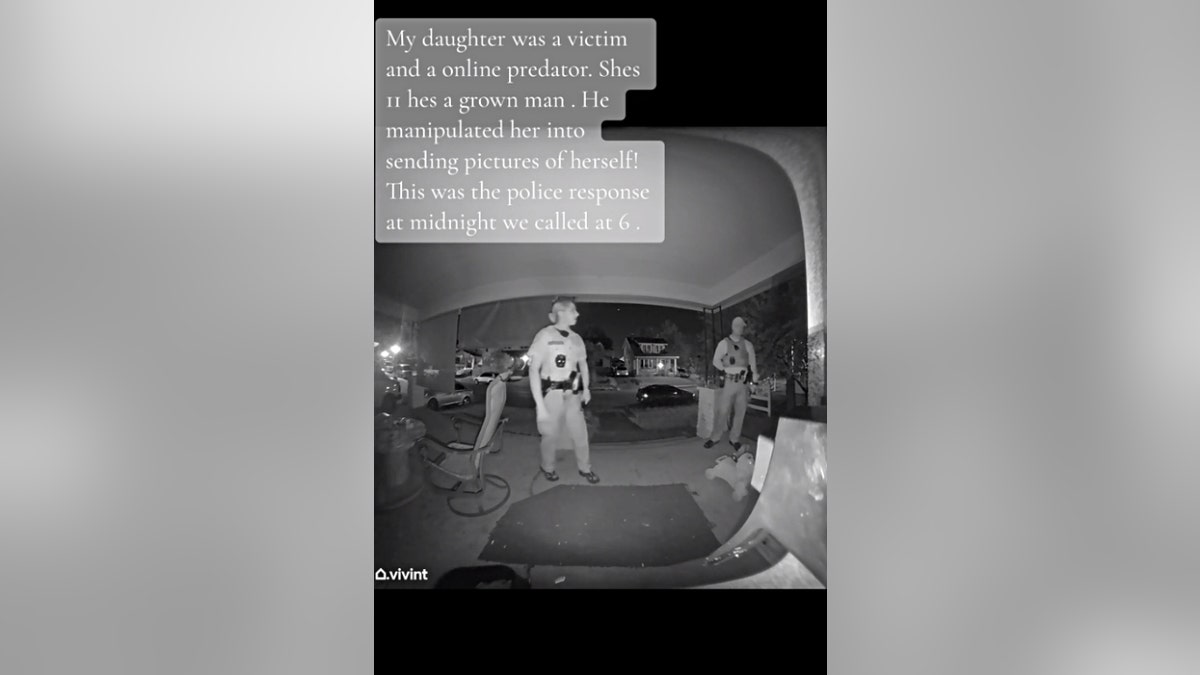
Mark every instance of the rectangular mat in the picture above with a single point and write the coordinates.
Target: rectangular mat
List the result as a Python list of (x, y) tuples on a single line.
[(593, 526)]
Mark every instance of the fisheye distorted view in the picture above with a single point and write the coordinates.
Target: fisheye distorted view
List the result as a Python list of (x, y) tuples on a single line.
[(625, 415)]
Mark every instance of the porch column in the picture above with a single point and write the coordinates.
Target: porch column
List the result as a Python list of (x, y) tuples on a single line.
[(802, 154)]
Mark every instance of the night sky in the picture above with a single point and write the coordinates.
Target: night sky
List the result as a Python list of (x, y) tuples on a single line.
[(620, 320)]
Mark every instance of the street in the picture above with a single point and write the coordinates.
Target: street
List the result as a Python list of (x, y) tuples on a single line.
[(613, 414), (609, 413)]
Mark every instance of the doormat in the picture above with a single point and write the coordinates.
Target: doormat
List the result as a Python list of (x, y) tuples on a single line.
[(590, 526)]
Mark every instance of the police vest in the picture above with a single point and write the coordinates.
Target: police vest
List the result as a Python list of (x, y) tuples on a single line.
[(737, 356), (561, 356)]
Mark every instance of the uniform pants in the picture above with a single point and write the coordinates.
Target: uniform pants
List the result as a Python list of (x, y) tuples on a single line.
[(735, 396), (565, 414)]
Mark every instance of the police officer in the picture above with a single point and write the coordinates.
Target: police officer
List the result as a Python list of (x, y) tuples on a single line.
[(734, 359), (558, 379)]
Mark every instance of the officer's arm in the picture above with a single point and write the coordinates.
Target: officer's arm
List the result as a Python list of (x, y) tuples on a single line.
[(583, 366), (753, 363), (535, 373), (719, 356)]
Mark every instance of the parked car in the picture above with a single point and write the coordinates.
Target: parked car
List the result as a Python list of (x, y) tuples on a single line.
[(484, 378), (683, 372), (664, 394), (460, 396), (387, 392), (621, 371)]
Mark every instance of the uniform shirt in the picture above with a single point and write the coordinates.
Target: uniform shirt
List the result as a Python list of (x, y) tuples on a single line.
[(735, 357), (558, 355)]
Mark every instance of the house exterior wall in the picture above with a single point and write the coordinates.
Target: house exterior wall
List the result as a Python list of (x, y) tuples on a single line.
[(649, 364), (646, 357)]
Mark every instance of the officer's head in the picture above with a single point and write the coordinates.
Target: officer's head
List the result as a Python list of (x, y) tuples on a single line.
[(564, 312), (739, 326)]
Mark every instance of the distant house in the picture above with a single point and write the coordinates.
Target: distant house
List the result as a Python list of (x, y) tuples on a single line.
[(520, 363), (466, 361), (479, 361), (648, 356)]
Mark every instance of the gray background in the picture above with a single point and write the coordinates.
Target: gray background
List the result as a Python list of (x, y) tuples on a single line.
[(187, 297)]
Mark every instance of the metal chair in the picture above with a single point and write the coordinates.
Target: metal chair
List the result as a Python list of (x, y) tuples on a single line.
[(457, 467)]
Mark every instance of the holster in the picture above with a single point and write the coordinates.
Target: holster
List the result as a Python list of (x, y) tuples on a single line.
[(738, 378), (571, 385)]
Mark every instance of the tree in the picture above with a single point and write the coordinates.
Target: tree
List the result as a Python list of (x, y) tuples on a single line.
[(593, 333), (778, 327), (678, 343), (597, 343)]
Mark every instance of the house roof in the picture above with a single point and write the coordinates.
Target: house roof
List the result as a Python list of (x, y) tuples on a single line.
[(635, 346), (647, 340)]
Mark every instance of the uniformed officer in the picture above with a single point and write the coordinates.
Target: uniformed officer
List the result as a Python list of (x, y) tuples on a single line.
[(558, 378), (734, 359)]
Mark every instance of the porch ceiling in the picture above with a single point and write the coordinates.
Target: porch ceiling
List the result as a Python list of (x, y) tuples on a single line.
[(732, 224)]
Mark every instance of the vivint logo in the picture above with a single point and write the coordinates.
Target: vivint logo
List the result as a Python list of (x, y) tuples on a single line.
[(409, 574)]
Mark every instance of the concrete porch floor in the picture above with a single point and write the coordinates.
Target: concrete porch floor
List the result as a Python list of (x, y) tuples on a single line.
[(426, 534)]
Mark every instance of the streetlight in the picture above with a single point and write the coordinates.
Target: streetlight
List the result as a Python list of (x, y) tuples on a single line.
[(383, 354), (395, 349)]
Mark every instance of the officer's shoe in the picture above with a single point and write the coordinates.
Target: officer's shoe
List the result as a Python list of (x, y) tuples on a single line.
[(709, 444)]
